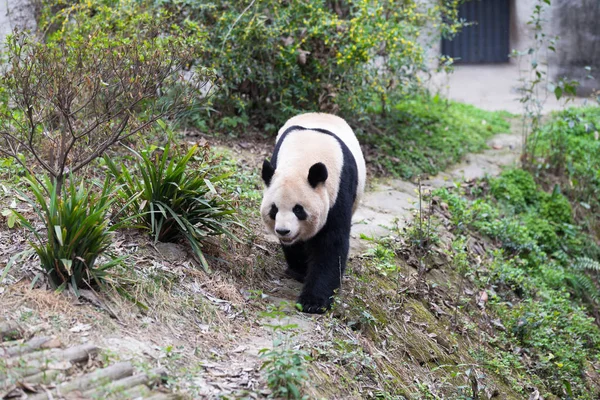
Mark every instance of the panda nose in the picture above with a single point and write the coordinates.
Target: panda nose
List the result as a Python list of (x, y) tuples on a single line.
[(282, 232)]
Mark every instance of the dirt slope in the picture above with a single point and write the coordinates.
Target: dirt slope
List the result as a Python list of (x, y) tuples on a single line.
[(207, 330)]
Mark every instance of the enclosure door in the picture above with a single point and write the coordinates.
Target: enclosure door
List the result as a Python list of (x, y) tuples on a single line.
[(487, 39)]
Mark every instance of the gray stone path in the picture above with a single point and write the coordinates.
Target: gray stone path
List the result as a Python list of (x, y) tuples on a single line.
[(394, 199)]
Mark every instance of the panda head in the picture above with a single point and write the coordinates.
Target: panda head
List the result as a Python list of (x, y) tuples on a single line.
[(295, 206)]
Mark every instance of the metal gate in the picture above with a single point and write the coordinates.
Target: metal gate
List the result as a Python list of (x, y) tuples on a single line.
[(487, 39)]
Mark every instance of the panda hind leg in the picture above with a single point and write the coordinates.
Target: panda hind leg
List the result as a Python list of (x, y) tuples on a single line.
[(296, 258)]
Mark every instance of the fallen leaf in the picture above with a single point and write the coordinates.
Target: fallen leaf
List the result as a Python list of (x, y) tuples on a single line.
[(302, 56), (12, 393), (239, 349)]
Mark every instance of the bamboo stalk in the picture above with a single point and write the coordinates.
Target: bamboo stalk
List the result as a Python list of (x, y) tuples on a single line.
[(162, 396), (44, 377), (27, 347), (73, 355), (89, 381), (30, 357), (11, 343), (149, 379), (140, 391)]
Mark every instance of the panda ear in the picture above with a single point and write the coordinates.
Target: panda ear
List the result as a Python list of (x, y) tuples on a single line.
[(267, 172), (317, 174)]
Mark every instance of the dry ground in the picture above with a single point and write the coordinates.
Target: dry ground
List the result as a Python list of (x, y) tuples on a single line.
[(386, 337)]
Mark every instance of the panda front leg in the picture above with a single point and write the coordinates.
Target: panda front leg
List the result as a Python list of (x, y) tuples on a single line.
[(295, 256), (327, 256)]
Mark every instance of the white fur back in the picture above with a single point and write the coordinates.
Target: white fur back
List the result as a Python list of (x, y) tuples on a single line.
[(343, 131)]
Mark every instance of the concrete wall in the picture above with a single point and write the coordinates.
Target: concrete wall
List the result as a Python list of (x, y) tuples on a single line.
[(577, 23)]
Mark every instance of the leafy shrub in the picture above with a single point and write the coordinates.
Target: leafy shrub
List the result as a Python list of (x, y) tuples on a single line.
[(568, 151), (560, 335), (534, 282), (174, 198), (541, 263), (516, 187), (556, 208), (77, 233), (280, 57), (275, 58)]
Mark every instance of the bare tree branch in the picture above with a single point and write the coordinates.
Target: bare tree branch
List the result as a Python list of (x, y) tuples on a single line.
[(69, 104)]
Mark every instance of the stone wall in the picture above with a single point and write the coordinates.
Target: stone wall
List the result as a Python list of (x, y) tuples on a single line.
[(577, 23)]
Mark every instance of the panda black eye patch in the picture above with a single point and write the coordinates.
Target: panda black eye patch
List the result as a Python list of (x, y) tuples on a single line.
[(299, 212), (273, 211)]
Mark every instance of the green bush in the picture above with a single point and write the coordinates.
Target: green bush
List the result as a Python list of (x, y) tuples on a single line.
[(516, 187), (568, 151), (277, 58), (556, 208), (91, 84), (175, 197), (542, 231), (560, 335), (77, 233), (539, 285)]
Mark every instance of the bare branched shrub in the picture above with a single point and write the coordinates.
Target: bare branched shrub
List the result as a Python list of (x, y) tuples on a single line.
[(69, 101)]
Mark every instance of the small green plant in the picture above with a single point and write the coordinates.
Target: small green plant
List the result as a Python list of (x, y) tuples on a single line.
[(569, 154), (460, 262), (421, 234), (536, 80), (77, 232), (284, 366), (583, 278), (384, 256), (174, 198)]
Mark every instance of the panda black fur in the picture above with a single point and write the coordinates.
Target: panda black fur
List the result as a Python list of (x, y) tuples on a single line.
[(314, 183)]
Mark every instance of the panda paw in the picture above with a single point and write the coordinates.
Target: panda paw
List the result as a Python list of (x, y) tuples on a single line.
[(314, 304)]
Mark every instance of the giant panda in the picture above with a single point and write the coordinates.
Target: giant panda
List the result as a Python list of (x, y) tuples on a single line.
[(313, 185)]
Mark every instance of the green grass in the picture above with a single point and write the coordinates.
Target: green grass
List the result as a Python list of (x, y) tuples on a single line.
[(424, 135)]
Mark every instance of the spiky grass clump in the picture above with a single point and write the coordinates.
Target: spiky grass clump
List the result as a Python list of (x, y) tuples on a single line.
[(173, 198), (77, 232)]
